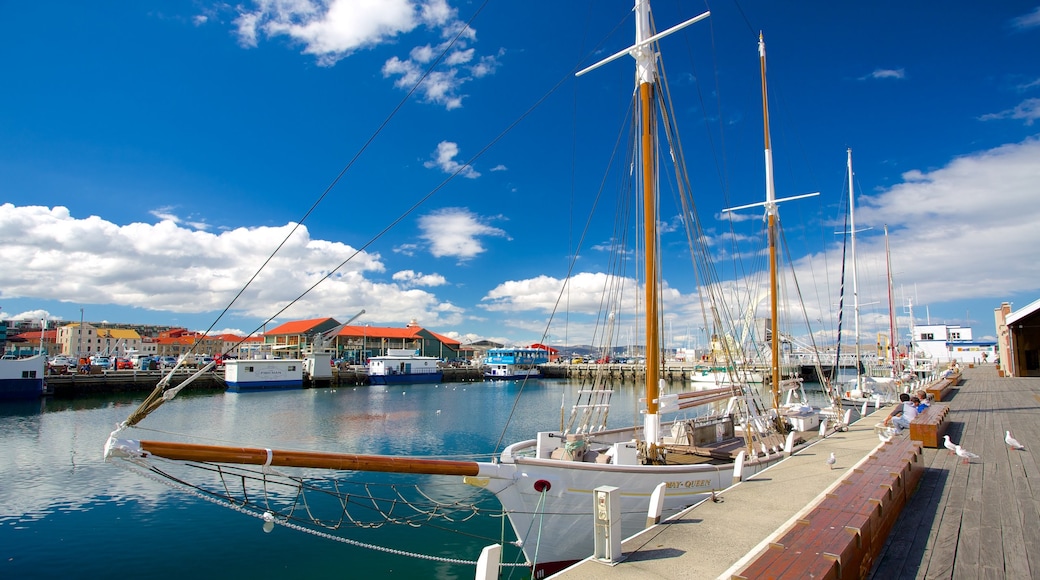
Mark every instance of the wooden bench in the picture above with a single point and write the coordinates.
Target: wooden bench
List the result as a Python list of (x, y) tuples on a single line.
[(940, 389), (843, 534), (930, 425)]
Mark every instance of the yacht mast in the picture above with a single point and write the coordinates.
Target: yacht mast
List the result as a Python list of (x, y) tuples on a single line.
[(855, 287)]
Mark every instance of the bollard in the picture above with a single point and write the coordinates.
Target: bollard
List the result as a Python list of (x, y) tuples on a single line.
[(653, 515), (738, 467), (487, 564)]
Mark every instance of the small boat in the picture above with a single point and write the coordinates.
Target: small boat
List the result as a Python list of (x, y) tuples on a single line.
[(263, 374), (403, 366), (22, 378), (508, 364)]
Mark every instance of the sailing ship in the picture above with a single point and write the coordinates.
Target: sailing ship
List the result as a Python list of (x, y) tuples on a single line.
[(863, 388), (545, 484)]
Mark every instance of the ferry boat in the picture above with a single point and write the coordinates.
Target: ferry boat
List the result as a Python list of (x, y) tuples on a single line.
[(22, 378), (263, 374), (507, 364), (403, 366)]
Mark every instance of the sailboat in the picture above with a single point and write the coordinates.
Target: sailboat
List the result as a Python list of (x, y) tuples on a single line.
[(794, 412), (863, 388), (545, 484)]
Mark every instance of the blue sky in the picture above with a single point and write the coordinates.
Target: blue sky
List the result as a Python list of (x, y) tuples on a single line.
[(153, 154)]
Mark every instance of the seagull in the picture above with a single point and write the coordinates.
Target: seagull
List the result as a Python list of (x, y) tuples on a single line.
[(831, 461), (967, 455), (949, 444), (1012, 442)]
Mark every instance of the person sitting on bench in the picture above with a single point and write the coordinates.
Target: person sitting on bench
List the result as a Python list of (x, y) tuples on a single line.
[(904, 412)]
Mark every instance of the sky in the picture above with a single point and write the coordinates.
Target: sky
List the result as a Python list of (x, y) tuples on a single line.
[(436, 160)]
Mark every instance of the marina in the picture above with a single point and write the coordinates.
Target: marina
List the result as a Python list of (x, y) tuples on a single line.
[(965, 520)]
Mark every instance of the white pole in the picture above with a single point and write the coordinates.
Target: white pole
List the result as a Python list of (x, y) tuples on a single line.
[(487, 563)]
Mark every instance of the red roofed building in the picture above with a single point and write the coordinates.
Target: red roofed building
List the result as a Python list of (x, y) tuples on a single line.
[(357, 343)]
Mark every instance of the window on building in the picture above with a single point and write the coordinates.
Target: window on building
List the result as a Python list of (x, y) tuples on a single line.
[(955, 335), (927, 336)]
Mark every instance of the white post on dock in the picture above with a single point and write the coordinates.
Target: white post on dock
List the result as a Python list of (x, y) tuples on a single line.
[(653, 515), (738, 467), (487, 563), (789, 444), (823, 428), (863, 411), (607, 517)]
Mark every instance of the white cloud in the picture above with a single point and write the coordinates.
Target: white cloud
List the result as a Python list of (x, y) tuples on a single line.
[(49, 254), (456, 232), (882, 73), (1027, 21), (332, 30), (328, 29), (1028, 109), (444, 158), (413, 278)]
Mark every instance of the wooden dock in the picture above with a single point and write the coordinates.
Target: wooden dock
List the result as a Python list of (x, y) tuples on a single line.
[(975, 520), (980, 520)]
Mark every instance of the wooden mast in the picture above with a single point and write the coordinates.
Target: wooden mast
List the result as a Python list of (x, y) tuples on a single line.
[(771, 227), (646, 75)]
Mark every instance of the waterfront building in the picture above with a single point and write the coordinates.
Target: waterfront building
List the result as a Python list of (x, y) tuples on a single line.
[(951, 342)]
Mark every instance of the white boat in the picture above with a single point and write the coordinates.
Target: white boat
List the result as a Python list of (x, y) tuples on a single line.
[(546, 484), (507, 364), (22, 378), (403, 366), (263, 374)]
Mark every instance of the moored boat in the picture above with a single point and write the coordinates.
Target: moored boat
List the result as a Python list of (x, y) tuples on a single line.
[(403, 366), (263, 374), (22, 378), (506, 364)]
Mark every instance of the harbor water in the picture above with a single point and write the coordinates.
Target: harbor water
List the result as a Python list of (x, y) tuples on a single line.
[(65, 512)]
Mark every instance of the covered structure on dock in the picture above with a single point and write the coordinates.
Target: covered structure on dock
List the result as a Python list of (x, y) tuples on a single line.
[(1018, 340)]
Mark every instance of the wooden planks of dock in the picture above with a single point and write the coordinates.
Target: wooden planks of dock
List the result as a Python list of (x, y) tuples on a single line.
[(980, 519)]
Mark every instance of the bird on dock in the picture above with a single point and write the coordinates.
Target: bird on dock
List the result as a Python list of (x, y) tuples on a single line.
[(1012, 442), (967, 455), (949, 444), (831, 461)]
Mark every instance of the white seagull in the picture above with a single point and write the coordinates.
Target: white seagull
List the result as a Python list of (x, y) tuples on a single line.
[(1012, 442), (949, 444), (831, 461), (967, 455)]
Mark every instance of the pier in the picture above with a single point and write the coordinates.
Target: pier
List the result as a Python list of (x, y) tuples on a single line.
[(974, 520)]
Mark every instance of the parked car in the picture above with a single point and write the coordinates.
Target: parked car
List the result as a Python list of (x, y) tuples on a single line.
[(167, 362), (61, 361), (101, 361), (123, 363)]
